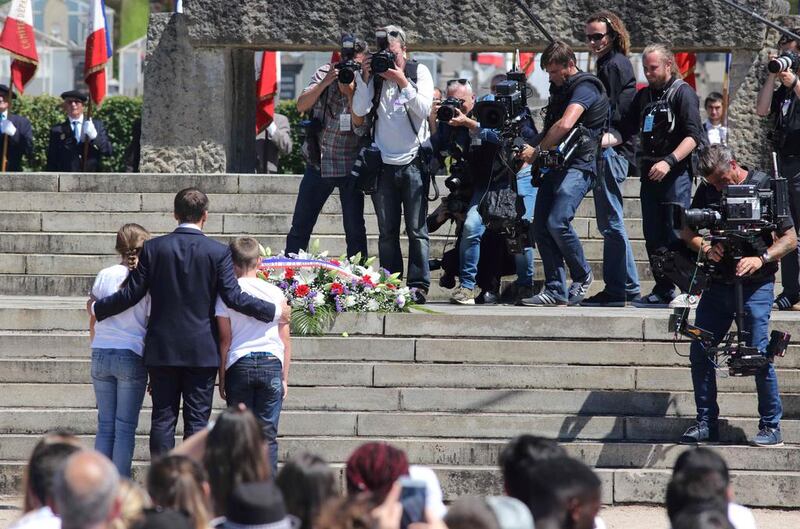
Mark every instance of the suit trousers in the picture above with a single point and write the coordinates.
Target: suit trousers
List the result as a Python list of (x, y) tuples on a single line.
[(170, 384)]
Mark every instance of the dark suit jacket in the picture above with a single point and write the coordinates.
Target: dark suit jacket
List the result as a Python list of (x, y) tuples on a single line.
[(184, 271), (21, 143), (65, 154)]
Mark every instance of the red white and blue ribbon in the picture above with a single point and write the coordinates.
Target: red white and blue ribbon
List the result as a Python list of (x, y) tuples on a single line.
[(286, 263)]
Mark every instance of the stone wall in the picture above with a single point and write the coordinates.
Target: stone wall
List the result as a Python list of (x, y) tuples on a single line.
[(199, 100)]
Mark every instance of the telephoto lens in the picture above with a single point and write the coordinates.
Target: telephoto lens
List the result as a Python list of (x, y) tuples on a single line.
[(779, 64), (346, 75)]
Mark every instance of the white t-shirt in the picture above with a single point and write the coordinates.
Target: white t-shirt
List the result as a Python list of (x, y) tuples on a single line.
[(716, 133), (42, 518), (126, 330), (740, 516), (250, 335)]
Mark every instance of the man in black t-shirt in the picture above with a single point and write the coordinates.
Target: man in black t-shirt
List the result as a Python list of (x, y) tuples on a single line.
[(715, 312), (782, 103)]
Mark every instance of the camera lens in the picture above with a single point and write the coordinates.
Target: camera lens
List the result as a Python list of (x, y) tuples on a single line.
[(452, 183), (346, 76), (445, 113), (780, 64)]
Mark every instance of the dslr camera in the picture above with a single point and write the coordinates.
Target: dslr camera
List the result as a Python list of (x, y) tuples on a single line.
[(787, 61), (348, 66), (447, 109), (382, 60)]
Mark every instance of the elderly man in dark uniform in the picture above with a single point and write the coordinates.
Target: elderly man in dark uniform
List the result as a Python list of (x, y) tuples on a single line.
[(66, 149), (17, 129)]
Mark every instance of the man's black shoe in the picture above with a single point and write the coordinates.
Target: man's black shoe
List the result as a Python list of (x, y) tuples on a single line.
[(487, 297), (603, 299), (698, 434), (418, 296)]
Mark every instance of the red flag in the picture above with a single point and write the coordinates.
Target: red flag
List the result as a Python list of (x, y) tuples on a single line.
[(266, 90), (527, 62), (18, 38), (686, 63), (336, 57), (98, 51)]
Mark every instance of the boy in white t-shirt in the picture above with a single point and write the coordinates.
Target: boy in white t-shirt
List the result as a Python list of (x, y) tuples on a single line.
[(254, 356)]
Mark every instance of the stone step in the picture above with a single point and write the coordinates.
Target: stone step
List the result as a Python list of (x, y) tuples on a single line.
[(425, 399), (564, 427)]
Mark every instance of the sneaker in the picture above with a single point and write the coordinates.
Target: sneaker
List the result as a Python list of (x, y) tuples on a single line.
[(632, 297), (543, 299), (418, 296), (578, 290), (699, 433), (522, 293), (487, 297), (463, 296), (767, 436), (651, 301), (784, 302), (603, 299), (684, 301)]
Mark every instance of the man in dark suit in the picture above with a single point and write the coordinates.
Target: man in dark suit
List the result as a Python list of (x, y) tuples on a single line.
[(17, 129), (67, 139), (183, 271)]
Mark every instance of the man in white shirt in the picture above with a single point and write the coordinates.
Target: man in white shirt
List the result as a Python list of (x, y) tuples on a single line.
[(715, 130), (402, 96)]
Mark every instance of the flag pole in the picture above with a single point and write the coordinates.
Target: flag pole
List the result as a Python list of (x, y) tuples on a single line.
[(5, 136), (84, 138)]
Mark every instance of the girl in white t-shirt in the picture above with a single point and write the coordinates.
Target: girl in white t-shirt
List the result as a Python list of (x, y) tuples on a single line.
[(118, 373), (254, 356)]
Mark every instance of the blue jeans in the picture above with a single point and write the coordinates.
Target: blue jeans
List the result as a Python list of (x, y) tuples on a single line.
[(257, 381), (657, 218), (473, 229), (715, 314), (619, 268), (119, 379), (402, 192), (314, 191), (559, 196)]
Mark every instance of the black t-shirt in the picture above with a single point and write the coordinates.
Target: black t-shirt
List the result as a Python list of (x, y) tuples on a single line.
[(615, 71), (707, 196), (786, 109)]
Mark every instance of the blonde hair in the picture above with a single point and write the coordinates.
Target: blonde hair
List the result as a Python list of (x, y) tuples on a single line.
[(177, 482), (134, 500), (664, 50), (129, 237)]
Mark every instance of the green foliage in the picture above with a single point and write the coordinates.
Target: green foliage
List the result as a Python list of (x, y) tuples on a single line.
[(305, 323), (133, 17), (117, 113), (292, 163)]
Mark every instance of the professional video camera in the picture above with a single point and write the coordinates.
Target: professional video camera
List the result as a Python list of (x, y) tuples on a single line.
[(382, 60), (787, 61), (348, 66), (509, 105), (745, 216), (447, 109)]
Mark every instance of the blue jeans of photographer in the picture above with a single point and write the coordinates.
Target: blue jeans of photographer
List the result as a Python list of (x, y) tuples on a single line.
[(559, 196), (119, 378), (311, 197), (715, 313), (257, 381), (403, 193), (619, 280), (473, 229)]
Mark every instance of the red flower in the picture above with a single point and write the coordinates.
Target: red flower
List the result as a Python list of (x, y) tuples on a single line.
[(302, 290), (391, 286), (289, 273), (337, 288), (367, 281), (334, 261)]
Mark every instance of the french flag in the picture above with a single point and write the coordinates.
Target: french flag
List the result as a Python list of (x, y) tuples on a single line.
[(98, 52), (18, 38)]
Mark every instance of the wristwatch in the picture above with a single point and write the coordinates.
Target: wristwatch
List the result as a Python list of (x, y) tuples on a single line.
[(765, 257)]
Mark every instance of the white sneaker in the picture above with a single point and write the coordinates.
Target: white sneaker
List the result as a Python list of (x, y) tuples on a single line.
[(683, 301)]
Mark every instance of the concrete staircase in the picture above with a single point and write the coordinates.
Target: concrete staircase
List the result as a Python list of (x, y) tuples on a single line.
[(450, 388)]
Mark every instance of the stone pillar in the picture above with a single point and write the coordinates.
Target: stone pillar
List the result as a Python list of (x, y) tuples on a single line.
[(198, 114)]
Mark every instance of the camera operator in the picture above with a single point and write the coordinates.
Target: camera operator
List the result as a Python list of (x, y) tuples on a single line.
[(329, 161), (485, 169), (608, 39), (666, 116), (782, 103), (403, 94), (716, 310), (577, 104)]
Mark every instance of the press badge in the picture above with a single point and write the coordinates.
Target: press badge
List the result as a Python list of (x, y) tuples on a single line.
[(648, 123), (344, 122), (785, 106)]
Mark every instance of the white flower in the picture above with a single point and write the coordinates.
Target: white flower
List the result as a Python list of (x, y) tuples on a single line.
[(349, 301), (401, 301), (372, 305), (374, 276), (319, 299)]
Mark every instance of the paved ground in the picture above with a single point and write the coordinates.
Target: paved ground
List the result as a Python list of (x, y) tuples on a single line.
[(619, 517)]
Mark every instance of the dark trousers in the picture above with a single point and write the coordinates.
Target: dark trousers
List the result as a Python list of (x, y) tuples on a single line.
[(195, 385), (790, 263), (657, 218), (311, 197)]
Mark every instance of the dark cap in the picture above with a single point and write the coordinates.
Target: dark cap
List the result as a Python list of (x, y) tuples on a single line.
[(163, 519), (75, 94), (5, 91), (257, 504)]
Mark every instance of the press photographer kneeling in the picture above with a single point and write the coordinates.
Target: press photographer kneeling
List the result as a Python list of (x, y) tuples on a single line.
[(750, 230)]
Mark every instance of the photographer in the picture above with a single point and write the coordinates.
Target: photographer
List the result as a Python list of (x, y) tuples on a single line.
[(485, 169), (782, 103), (330, 153), (716, 310), (403, 94), (579, 107), (666, 116)]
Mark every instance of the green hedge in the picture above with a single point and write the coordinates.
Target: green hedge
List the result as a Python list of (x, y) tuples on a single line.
[(117, 113), (293, 163)]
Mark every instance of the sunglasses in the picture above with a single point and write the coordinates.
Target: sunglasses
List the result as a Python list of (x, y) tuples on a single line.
[(595, 37), (459, 81)]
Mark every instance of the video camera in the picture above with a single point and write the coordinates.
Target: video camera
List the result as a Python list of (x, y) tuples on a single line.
[(787, 61), (382, 60), (510, 102), (348, 66)]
